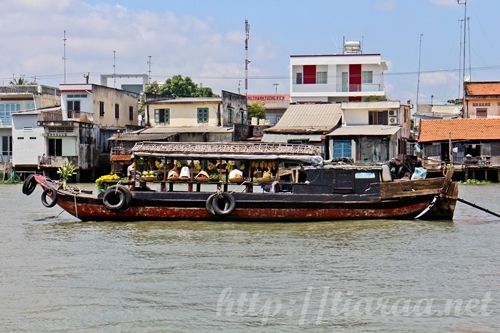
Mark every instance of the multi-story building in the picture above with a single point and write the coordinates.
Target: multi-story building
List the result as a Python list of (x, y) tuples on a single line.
[(482, 100), (17, 98), (350, 76), (371, 131)]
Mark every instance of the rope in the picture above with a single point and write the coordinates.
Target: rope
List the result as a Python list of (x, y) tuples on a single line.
[(76, 207)]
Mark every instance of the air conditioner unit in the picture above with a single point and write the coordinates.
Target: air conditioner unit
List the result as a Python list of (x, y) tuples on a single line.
[(393, 113), (393, 120)]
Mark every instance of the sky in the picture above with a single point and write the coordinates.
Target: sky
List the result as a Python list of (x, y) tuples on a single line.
[(204, 39)]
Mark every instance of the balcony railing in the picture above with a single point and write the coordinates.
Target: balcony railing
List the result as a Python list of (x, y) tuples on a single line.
[(365, 87), (49, 116), (56, 161)]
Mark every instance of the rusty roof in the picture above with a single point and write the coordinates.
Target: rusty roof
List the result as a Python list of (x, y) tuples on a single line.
[(460, 129), (308, 118), (482, 88)]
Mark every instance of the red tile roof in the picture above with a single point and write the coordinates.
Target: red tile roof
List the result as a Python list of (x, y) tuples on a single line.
[(482, 88), (460, 129)]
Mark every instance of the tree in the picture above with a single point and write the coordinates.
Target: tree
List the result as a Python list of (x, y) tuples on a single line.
[(375, 99), (178, 86), (256, 110), (20, 81)]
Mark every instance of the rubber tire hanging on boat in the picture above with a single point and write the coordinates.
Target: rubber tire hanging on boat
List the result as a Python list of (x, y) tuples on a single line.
[(53, 195), (209, 203), (29, 184), (116, 198), (229, 203)]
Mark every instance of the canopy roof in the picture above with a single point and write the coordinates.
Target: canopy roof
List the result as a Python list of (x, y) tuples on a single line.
[(229, 150)]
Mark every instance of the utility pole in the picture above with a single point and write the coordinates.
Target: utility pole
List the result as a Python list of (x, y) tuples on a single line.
[(149, 69), (464, 2), (64, 55), (418, 75), (460, 61), (247, 37), (114, 69)]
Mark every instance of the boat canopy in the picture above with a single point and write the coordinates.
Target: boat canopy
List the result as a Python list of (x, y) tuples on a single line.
[(230, 150)]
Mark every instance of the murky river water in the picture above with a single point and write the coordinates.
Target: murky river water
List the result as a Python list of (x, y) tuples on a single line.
[(58, 274)]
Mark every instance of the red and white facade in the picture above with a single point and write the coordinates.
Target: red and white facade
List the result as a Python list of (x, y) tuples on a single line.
[(336, 78)]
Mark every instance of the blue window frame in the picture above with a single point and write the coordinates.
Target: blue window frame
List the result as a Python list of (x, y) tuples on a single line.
[(342, 148)]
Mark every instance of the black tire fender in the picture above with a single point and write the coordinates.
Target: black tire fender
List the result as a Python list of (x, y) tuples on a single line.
[(227, 200), (116, 198), (53, 194), (209, 203), (29, 184)]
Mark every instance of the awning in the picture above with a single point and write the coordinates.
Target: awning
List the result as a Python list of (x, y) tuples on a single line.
[(365, 130)]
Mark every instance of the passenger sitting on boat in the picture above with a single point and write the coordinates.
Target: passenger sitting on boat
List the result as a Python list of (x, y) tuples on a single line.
[(397, 168), (131, 174), (274, 187)]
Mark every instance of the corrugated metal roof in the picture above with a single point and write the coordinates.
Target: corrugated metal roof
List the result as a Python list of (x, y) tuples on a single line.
[(366, 130), (382, 105), (308, 118), (459, 129)]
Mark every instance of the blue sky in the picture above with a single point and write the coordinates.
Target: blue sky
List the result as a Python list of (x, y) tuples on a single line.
[(205, 40)]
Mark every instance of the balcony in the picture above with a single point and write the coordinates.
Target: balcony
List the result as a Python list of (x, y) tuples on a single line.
[(56, 161), (364, 87)]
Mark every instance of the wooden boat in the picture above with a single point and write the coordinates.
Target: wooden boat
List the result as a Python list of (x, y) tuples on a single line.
[(318, 192)]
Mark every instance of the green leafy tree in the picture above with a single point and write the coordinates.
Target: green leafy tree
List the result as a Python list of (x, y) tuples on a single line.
[(178, 86), (375, 99), (20, 81), (256, 110)]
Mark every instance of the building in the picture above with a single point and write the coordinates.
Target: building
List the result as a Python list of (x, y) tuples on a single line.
[(474, 141), (110, 109), (306, 123), (44, 141), (275, 105), (482, 100), (17, 98), (327, 78), (371, 131), (438, 111)]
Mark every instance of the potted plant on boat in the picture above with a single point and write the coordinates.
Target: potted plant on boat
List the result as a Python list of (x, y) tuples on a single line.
[(65, 172)]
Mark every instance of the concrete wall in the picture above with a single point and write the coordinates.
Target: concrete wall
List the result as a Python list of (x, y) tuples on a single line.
[(28, 140), (492, 106), (186, 114)]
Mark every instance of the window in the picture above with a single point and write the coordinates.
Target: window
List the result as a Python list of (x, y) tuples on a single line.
[(342, 148), (6, 145), (481, 113), (117, 111), (32, 137), (101, 109), (345, 81), (481, 104), (55, 147), (298, 78), (367, 76), (131, 113), (321, 77), (73, 109), (230, 115), (30, 105), (378, 117), (162, 116), (6, 110), (202, 115)]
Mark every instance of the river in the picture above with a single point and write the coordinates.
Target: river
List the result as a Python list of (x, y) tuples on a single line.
[(61, 275)]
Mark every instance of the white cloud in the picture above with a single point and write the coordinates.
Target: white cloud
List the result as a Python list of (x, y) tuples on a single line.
[(437, 79), (444, 2), (185, 45), (385, 5)]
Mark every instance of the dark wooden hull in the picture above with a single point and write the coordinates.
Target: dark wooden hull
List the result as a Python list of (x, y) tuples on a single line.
[(261, 207), (249, 207)]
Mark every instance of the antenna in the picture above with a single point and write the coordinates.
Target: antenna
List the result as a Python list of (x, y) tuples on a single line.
[(276, 88), (114, 69), (419, 61), (64, 55), (239, 87), (468, 33), (460, 61), (149, 69), (247, 36), (464, 2)]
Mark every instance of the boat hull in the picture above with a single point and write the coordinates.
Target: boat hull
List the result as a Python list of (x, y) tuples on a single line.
[(259, 207)]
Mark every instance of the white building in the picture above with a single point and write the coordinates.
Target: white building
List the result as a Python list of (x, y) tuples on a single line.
[(20, 98), (350, 76)]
